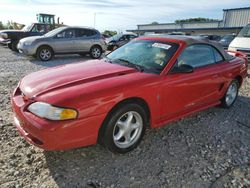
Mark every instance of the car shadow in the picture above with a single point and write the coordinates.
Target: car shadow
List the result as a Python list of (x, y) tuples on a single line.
[(60, 60), (172, 156)]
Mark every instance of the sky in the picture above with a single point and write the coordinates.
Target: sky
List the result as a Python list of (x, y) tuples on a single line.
[(113, 14)]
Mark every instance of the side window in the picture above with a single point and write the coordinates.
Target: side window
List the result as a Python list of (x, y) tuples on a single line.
[(132, 37), (69, 33), (85, 33), (218, 57), (122, 38), (197, 55), (38, 28)]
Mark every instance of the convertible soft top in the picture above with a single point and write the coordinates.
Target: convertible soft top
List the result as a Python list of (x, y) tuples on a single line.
[(190, 40)]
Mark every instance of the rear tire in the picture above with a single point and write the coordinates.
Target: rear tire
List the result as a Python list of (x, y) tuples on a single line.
[(231, 94), (124, 128), (96, 52), (44, 53)]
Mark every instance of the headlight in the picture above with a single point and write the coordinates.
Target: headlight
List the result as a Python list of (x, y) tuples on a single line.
[(50, 112), (4, 35)]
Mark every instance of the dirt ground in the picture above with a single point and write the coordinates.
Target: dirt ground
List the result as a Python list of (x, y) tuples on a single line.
[(208, 149)]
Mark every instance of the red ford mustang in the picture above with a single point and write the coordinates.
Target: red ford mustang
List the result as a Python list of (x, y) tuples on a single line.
[(146, 83)]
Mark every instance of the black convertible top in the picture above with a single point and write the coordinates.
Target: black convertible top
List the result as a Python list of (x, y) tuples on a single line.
[(190, 40)]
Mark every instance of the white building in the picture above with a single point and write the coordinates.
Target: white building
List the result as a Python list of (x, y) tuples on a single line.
[(232, 22)]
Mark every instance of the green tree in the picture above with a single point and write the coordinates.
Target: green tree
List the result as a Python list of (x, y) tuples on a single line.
[(1, 25), (154, 23), (196, 20), (109, 33)]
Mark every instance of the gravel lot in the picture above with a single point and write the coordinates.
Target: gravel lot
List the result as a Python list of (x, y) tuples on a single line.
[(208, 149)]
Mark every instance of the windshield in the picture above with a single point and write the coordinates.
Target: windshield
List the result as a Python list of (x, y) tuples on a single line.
[(152, 56), (245, 32), (54, 32), (27, 27), (115, 37), (227, 38)]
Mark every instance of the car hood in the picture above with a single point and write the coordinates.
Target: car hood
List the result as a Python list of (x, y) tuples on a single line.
[(31, 39), (11, 31), (241, 42), (51, 79)]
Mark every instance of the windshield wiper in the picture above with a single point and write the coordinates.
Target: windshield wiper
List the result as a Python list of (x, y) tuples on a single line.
[(128, 63)]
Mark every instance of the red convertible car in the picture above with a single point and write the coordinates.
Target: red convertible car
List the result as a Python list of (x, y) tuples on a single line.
[(146, 83)]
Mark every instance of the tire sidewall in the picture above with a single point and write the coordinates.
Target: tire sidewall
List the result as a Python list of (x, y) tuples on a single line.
[(91, 53), (42, 48), (224, 103), (109, 127)]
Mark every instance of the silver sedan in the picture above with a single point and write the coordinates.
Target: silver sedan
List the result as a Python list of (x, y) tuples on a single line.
[(64, 40)]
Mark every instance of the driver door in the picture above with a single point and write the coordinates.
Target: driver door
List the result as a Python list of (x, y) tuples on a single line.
[(184, 92)]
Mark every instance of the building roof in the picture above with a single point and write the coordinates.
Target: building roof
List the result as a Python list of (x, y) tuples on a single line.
[(184, 29), (236, 8)]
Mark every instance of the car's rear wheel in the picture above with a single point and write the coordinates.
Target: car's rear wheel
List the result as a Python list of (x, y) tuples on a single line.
[(231, 94), (96, 52), (44, 53), (125, 128)]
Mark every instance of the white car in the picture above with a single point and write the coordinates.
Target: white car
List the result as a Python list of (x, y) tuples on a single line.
[(242, 42)]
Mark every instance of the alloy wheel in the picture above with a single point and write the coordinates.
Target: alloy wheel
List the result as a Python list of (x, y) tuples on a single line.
[(231, 93), (45, 54), (127, 129), (96, 52)]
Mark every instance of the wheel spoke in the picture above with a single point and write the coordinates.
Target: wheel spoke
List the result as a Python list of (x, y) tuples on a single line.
[(119, 135), (129, 118), (127, 137), (134, 126)]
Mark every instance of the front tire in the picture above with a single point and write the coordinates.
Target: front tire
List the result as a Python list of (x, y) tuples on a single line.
[(44, 53), (231, 94), (96, 52), (125, 128)]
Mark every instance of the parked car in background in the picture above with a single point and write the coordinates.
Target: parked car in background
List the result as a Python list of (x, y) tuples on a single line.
[(64, 40), (226, 40), (118, 40), (148, 82), (242, 42), (12, 37), (211, 37)]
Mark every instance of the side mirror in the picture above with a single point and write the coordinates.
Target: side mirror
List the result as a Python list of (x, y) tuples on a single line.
[(184, 68)]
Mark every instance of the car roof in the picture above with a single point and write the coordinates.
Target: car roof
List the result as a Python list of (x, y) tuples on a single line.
[(79, 27), (190, 40)]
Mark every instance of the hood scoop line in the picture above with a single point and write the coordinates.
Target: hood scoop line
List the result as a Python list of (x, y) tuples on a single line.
[(86, 80)]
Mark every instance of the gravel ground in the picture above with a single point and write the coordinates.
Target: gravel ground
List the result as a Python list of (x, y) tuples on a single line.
[(208, 149)]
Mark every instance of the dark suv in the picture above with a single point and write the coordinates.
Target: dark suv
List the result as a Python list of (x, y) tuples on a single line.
[(118, 40), (13, 36)]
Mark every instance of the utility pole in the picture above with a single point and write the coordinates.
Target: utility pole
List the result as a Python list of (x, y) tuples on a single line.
[(94, 19)]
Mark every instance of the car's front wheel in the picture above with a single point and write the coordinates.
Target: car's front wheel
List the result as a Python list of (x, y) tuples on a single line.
[(125, 128), (44, 53), (231, 94), (96, 52)]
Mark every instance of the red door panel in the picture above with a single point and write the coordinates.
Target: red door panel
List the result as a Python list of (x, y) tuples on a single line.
[(184, 91)]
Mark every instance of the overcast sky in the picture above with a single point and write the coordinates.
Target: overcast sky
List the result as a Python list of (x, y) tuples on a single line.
[(114, 14)]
